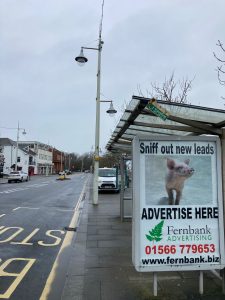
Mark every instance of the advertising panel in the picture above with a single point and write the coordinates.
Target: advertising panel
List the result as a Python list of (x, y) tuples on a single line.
[(177, 204)]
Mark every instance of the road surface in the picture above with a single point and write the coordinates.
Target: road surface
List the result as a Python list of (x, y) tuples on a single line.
[(34, 220)]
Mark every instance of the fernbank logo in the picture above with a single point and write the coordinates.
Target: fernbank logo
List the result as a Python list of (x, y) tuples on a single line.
[(156, 233)]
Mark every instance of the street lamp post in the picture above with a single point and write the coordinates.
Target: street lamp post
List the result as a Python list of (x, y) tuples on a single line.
[(18, 128), (81, 59), (17, 143), (61, 162), (69, 161)]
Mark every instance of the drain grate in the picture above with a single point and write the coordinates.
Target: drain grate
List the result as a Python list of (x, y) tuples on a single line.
[(70, 228)]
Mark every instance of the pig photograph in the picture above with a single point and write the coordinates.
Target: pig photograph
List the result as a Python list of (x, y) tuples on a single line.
[(178, 172), (178, 180)]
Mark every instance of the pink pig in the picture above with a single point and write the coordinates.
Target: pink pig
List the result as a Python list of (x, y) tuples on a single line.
[(178, 172)]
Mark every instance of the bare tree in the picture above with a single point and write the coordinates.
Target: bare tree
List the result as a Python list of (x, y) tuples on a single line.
[(170, 90), (110, 159), (221, 68)]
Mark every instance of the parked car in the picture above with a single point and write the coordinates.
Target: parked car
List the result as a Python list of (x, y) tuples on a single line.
[(17, 176), (65, 172), (62, 173), (68, 172), (108, 180)]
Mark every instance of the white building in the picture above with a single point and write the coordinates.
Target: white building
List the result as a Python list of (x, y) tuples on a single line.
[(43, 164), (8, 151)]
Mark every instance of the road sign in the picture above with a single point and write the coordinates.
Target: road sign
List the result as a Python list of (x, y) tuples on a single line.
[(158, 110)]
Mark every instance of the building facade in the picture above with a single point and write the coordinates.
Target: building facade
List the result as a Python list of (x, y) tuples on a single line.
[(43, 164), (8, 152), (33, 157), (58, 161)]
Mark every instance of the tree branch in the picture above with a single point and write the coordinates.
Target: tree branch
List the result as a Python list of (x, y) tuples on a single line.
[(220, 45), (171, 90)]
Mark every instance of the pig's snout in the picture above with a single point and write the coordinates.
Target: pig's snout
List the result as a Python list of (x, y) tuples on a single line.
[(191, 171)]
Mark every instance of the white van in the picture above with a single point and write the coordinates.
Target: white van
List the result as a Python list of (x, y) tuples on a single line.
[(108, 179)]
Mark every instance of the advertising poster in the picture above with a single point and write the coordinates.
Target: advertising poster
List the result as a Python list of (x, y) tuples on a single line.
[(177, 209)]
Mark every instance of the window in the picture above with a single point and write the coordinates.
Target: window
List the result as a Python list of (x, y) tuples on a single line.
[(107, 173)]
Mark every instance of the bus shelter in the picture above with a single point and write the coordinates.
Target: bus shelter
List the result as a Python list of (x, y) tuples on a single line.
[(149, 118)]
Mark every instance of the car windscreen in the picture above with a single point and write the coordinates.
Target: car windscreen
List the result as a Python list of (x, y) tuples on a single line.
[(14, 173), (107, 173)]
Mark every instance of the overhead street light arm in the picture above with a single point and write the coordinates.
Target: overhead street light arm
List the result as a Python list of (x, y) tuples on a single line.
[(88, 48), (20, 128), (81, 59)]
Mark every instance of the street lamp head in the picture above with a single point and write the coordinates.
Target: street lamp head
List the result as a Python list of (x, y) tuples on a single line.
[(111, 111), (81, 59)]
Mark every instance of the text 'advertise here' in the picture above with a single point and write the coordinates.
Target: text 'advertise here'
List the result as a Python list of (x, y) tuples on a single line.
[(177, 207)]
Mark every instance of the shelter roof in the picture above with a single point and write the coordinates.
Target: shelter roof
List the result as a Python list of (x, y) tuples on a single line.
[(181, 120)]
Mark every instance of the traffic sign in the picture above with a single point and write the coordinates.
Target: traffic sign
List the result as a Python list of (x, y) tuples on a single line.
[(158, 110)]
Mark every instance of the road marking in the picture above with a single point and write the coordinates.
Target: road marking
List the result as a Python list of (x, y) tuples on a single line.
[(64, 209), (26, 207), (27, 187), (9, 233), (25, 241), (14, 190), (57, 239), (18, 230), (38, 184), (67, 242), (2, 215), (16, 208), (18, 276)]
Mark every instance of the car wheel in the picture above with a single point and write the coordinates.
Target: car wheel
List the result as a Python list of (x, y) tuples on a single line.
[(27, 178), (9, 181)]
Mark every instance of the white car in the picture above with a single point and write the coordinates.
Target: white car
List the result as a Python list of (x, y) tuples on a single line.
[(18, 176), (108, 179)]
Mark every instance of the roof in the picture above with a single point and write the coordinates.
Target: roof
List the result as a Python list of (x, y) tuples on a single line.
[(7, 142), (27, 150), (181, 120)]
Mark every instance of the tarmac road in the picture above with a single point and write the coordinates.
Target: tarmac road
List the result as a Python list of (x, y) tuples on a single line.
[(33, 220)]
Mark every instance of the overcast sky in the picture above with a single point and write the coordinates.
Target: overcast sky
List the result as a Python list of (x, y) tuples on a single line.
[(53, 98)]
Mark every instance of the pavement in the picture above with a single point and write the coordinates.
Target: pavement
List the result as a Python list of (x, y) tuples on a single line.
[(101, 268)]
